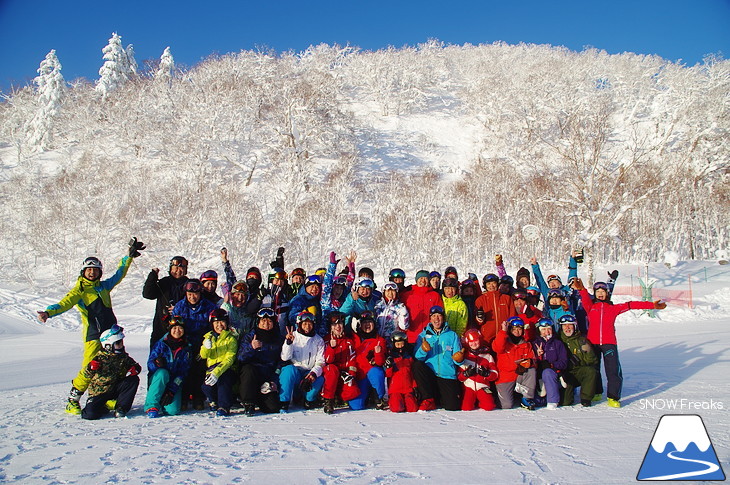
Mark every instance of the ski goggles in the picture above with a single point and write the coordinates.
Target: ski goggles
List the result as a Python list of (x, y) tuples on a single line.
[(367, 283), (266, 313), (397, 273), (193, 287), (554, 277), (312, 280), (390, 286), (181, 262), (600, 285), (544, 323), (305, 317), (515, 322), (567, 319)]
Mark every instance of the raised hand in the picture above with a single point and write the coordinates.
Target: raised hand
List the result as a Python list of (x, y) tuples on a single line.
[(224, 255), (289, 334)]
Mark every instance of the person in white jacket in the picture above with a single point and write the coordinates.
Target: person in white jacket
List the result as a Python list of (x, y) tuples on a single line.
[(390, 313), (303, 356)]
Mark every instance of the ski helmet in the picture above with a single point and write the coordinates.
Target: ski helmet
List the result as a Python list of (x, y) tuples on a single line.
[(519, 294), (554, 277), (567, 320), (218, 315), (305, 316), (91, 262), (450, 283), (193, 286), (396, 273), (600, 285), (398, 336), (266, 312), (515, 322), (363, 282), (390, 286), (335, 317), (544, 322), (239, 286), (490, 278), (472, 335), (450, 271), (556, 293), (175, 321), (109, 337), (437, 309), (209, 275), (179, 261), (506, 280)]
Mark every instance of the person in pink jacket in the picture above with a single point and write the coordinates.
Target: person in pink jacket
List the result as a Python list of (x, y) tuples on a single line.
[(602, 313)]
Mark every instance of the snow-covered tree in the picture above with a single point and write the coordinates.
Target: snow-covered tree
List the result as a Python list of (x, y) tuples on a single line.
[(51, 87), (166, 67), (118, 67)]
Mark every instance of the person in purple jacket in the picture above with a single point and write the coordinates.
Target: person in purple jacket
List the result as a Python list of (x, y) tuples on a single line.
[(552, 359)]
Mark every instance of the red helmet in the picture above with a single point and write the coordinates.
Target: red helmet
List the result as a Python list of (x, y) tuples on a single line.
[(472, 335)]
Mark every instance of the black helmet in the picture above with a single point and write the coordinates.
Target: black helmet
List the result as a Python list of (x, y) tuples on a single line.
[(398, 336)]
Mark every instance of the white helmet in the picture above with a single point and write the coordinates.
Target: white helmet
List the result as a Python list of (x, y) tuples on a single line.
[(109, 337)]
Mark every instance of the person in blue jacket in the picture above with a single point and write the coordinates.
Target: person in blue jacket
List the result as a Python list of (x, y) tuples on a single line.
[(195, 311), (308, 299), (435, 370), (361, 299), (168, 363)]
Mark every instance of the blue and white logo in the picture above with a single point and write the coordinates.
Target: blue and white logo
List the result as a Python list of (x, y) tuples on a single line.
[(680, 450)]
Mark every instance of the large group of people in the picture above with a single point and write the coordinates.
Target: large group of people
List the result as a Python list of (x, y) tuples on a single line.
[(331, 338)]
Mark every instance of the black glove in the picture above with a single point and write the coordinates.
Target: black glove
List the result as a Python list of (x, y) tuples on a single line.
[(371, 357), (483, 371), (543, 364), (306, 384), (388, 362), (280, 252), (469, 371), (135, 247), (161, 362), (520, 370), (167, 398), (613, 274), (347, 378)]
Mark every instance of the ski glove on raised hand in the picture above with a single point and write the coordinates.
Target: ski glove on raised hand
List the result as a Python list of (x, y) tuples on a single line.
[(135, 247)]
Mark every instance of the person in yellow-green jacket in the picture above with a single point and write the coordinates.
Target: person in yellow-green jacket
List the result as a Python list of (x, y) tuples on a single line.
[(91, 296), (457, 314), (219, 349)]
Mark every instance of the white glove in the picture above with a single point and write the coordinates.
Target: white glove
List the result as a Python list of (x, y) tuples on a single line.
[(207, 344), (211, 380)]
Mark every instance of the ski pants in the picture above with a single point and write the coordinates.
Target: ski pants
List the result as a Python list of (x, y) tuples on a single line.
[(399, 402), (552, 385), (472, 398), (446, 392), (612, 366), (249, 388), (192, 386), (221, 393), (333, 385), (375, 378), (91, 348), (123, 392), (506, 390), (157, 386), (583, 376), (290, 380)]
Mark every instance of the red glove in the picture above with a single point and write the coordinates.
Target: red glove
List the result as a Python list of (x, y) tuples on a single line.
[(94, 365)]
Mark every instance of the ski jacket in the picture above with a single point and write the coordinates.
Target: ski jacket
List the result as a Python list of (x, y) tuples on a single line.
[(580, 351), (305, 301), (482, 359), (497, 308), (343, 355), (457, 315), (508, 353), (530, 316), (177, 361), (554, 314), (93, 301), (196, 319), (367, 357), (555, 356), (166, 291), (540, 280), (266, 359), (419, 300), (400, 375), (112, 369), (243, 318), (391, 316), (305, 353), (221, 356), (602, 317), (444, 345), (352, 307)]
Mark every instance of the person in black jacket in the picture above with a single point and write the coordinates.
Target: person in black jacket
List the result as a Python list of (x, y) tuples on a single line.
[(167, 291)]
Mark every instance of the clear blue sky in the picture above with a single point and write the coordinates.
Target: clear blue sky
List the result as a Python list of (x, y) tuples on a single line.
[(79, 29)]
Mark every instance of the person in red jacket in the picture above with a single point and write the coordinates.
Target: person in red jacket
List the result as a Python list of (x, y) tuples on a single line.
[(601, 314), (370, 357), (516, 365), (492, 308), (419, 300), (399, 370), (528, 313), (476, 372), (340, 363)]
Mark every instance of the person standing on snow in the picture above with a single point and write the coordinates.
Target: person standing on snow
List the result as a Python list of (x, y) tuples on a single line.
[(92, 297), (602, 314), (167, 291)]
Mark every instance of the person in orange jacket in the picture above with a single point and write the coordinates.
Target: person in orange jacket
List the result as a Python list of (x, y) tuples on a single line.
[(492, 308)]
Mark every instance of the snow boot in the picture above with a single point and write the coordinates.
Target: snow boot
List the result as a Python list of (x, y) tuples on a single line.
[(614, 403), (249, 409), (381, 403), (222, 412), (120, 413), (329, 406), (528, 404), (111, 404), (153, 413)]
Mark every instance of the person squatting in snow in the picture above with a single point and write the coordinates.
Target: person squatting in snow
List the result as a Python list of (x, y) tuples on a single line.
[(332, 340)]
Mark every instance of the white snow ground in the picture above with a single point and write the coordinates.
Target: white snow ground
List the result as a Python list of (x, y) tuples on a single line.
[(682, 355)]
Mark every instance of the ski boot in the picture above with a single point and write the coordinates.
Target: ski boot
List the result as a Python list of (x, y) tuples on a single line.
[(249, 409), (73, 406), (528, 404), (153, 413), (614, 403), (111, 404), (222, 412), (329, 406)]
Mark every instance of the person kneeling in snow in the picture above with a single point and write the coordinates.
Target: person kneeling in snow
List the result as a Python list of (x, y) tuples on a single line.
[(219, 352), (476, 372), (341, 363), (516, 364), (168, 364), (552, 359), (113, 377), (303, 355), (398, 368)]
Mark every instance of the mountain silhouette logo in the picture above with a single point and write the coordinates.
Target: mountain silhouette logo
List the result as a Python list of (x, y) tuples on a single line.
[(680, 450)]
